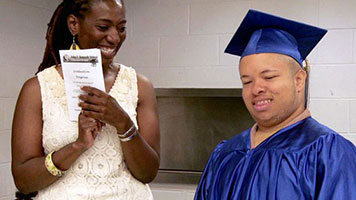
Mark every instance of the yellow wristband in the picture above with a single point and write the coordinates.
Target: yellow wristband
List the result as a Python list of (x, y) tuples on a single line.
[(51, 168)]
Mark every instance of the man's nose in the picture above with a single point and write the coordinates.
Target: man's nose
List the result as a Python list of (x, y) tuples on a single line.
[(258, 87)]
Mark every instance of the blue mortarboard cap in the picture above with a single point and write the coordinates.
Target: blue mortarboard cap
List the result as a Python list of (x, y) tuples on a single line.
[(264, 33)]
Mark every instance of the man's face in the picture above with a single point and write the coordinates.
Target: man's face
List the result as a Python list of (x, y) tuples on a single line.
[(271, 91)]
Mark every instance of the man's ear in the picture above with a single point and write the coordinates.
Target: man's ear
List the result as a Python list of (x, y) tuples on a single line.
[(300, 80), (73, 24)]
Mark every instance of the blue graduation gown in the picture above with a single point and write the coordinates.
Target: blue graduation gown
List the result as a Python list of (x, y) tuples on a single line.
[(306, 160)]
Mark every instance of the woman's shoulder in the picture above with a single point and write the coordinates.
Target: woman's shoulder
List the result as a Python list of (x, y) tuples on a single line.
[(50, 70), (143, 80), (145, 90), (30, 92), (31, 85), (144, 86)]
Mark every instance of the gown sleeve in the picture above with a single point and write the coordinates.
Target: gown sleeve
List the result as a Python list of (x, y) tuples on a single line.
[(336, 171), (206, 179)]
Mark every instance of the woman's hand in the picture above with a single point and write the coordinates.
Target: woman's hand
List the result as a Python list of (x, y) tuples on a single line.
[(88, 129), (142, 152), (101, 106)]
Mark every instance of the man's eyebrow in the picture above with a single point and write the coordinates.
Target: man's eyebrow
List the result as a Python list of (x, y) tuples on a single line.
[(269, 70), (263, 72), (244, 76)]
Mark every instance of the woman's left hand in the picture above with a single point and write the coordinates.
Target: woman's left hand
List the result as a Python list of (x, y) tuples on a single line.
[(142, 152), (101, 106)]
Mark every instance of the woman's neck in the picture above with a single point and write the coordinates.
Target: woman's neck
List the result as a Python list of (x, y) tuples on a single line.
[(109, 69)]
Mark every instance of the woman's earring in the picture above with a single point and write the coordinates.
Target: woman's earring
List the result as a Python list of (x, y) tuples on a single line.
[(74, 45)]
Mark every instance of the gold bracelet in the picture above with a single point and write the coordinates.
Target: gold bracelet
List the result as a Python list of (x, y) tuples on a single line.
[(51, 168)]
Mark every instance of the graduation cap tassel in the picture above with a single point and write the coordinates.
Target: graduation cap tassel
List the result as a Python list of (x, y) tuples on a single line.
[(306, 94), (307, 65)]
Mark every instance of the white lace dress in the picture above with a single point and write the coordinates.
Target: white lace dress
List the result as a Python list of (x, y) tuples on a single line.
[(100, 172)]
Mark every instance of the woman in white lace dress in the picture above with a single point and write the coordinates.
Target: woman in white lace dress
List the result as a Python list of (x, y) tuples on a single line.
[(112, 152)]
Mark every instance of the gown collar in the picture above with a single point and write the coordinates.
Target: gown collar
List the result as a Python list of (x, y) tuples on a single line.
[(300, 117), (305, 114)]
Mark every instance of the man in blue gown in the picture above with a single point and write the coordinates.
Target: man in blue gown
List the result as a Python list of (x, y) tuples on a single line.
[(287, 154)]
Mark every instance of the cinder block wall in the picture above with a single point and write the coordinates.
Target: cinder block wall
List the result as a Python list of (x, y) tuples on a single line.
[(180, 43), (23, 26)]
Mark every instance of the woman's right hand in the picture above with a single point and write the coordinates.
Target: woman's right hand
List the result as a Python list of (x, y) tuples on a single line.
[(88, 129)]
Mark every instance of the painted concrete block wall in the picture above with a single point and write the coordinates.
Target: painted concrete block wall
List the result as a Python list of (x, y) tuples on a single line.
[(180, 43), (23, 26)]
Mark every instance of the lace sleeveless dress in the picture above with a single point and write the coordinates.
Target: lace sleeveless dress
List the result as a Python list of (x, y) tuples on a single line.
[(100, 172)]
